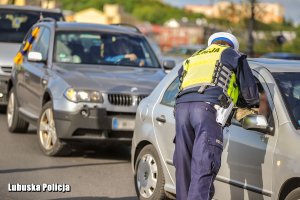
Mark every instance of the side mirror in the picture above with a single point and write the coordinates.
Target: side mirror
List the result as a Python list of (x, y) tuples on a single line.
[(35, 57), (256, 122), (168, 64)]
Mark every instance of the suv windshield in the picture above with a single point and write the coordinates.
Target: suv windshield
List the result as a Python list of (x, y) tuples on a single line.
[(289, 85), (103, 48), (14, 24)]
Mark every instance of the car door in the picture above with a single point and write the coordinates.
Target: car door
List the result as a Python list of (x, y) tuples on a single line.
[(164, 124), (247, 160), (35, 74), (20, 85)]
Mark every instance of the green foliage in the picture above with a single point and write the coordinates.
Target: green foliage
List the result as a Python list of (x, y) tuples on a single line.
[(293, 46), (153, 11), (156, 12)]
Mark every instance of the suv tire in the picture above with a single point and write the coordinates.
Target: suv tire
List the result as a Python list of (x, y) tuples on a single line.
[(50, 144), (14, 122), (293, 195), (148, 166)]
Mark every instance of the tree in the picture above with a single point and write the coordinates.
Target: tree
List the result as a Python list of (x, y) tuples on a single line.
[(250, 46)]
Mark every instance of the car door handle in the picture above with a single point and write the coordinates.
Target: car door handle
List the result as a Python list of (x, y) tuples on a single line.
[(161, 119)]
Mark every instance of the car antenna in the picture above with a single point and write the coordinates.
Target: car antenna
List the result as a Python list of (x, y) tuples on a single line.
[(229, 30), (41, 16)]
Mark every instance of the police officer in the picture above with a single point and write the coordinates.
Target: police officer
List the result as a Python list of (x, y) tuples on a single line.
[(210, 79)]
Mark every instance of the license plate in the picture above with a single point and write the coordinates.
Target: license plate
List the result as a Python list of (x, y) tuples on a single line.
[(122, 124)]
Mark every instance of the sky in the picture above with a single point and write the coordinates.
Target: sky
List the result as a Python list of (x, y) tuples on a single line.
[(291, 7)]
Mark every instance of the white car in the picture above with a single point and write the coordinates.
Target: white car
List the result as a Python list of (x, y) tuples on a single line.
[(261, 157)]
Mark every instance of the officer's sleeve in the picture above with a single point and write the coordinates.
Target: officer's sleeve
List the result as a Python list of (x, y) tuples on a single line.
[(180, 76), (246, 81)]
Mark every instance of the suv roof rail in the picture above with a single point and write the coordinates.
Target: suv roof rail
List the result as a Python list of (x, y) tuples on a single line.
[(128, 26), (47, 19)]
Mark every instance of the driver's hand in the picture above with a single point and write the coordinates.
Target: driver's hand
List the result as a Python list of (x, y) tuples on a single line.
[(131, 56), (243, 112), (142, 63)]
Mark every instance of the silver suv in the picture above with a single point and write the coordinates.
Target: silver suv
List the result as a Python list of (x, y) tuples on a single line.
[(261, 157), (80, 82), (15, 21)]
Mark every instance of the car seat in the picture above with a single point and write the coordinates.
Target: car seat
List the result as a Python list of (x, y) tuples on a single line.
[(78, 50), (5, 24), (94, 54)]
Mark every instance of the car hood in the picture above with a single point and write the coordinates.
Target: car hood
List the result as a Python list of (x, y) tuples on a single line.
[(110, 79), (7, 53)]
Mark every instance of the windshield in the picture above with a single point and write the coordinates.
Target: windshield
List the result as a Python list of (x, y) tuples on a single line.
[(14, 24), (289, 85), (103, 48)]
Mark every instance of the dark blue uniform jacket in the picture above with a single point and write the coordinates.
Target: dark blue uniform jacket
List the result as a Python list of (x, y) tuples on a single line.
[(237, 62)]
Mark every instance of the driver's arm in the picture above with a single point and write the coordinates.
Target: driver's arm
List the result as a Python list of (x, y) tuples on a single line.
[(114, 59), (130, 56)]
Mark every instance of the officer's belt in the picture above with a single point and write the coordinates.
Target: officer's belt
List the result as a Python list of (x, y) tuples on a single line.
[(199, 88)]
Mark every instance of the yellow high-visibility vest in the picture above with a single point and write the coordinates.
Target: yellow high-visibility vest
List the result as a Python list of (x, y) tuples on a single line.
[(199, 70)]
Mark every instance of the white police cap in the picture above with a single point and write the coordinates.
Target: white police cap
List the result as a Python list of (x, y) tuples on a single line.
[(227, 37)]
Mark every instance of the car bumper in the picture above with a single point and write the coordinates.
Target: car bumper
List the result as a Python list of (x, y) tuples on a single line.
[(3, 89), (94, 124)]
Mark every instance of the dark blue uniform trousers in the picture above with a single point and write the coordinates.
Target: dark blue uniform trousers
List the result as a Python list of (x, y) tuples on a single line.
[(198, 150)]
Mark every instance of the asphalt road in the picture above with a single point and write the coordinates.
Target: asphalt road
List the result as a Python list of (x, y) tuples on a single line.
[(92, 173)]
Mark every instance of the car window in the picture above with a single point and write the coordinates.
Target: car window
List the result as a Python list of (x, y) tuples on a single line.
[(262, 109), (289, 86), (103, 48), (28, 34), (27, 44), (170, 94), (14, 24), (41, 44)]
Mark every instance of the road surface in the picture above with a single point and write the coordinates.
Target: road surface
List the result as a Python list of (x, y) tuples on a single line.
[(89, 173)]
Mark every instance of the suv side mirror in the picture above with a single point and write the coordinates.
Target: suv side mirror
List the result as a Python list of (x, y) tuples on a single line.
[(256, 122), (168, 64), (35, 56)]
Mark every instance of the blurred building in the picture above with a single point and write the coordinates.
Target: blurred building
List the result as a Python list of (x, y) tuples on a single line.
[(175, 33), (265, 12), (269, 12), (43, 3), (16, 2), (111, 14)]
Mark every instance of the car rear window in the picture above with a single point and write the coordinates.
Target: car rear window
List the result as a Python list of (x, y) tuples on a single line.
[(14, 24), (289, 85), (103, 48)]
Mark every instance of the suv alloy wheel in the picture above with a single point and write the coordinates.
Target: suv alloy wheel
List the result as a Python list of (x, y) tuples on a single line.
[(47, 136)]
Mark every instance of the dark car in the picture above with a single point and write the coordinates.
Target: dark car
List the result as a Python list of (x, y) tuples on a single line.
[(179, 53), (15, 21), (282, 55), (75, 83)]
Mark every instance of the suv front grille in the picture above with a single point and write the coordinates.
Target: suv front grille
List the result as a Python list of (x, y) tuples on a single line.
[(6, 69), (124, 99), (120, 99), (140, 98)]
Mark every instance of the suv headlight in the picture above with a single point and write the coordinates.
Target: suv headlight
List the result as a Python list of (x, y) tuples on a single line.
[(77, 95)]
